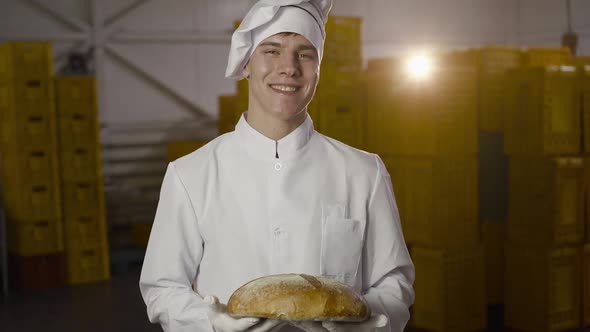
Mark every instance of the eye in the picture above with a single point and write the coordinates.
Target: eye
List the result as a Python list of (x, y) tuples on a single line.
[(306, 55), (271, 52)]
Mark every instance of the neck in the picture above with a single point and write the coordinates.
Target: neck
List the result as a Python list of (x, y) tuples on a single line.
[(274, 128)]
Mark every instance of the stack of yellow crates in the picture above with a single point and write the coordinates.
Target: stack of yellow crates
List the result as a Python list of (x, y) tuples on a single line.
[(30, 174), (426, 132), (585, 97), (540, 57), (83, 205), (227, 115), (337, 108), (545, 229), (492, 62)]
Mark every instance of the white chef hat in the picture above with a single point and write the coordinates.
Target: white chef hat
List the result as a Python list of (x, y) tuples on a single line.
[(269, 17)]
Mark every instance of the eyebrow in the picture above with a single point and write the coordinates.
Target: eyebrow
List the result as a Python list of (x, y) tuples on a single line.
[(279, 45)]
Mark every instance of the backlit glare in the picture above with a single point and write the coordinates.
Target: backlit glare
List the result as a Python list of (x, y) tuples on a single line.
[(419, 66)]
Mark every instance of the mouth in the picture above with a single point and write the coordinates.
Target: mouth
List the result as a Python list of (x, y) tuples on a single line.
[(285, 89)]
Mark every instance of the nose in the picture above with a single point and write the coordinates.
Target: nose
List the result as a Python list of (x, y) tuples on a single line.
[(289, 65)]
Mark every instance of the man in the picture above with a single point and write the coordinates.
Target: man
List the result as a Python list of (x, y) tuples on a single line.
[(275, 196)]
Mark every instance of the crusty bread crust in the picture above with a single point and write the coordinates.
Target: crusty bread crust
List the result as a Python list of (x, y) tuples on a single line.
[(298, 297)]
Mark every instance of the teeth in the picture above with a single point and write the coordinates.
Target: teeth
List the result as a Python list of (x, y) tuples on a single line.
[(284, 88)]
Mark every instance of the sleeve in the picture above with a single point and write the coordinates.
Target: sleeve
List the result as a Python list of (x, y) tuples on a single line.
[(388, 271), (173, 254)]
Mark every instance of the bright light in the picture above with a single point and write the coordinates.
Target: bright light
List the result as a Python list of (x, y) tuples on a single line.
[(419, 66)]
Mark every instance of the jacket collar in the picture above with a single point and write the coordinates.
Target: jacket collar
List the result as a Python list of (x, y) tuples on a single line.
[(261, 147)]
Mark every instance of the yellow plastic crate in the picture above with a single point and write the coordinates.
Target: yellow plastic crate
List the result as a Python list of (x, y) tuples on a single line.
[(437, 199), (26, 61), (6, 72), (488, 59), (80, 163), (585, 96), (543, 113), (7, 99), (227, 114), (339, 55), (543, 288), (85, 230), (88, 265), (242, 88), (241, 99), (79, 130), (25, 132), (176, 150), (429, 118), (140, 234), (492, 102), (340, 103), (25, 99), (76, 95), (343, 41), (547, 57), (81, 197), (380, 117), (587, 197), (313, 110), (494, 234), (25, 203), (493, 84), (41, 237), (344, 28), (586, 286), (581, 60), (36, 165), (546, 201), (450, 289)]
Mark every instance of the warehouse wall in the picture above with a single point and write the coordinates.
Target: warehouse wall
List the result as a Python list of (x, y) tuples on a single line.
[(160, 71)]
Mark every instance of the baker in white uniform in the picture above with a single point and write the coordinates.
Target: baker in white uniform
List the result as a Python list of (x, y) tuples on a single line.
[(275, 196)]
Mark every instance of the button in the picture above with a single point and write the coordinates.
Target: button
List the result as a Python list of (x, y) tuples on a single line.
[(278, 232), (278, 166)]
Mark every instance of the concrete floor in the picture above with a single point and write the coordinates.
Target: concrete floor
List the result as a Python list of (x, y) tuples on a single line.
[(103, 307)]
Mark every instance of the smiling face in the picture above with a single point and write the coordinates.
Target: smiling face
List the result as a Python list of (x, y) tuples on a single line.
[(283, 73)]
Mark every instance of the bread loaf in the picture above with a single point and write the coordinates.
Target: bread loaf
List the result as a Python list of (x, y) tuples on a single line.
[(298, 297)]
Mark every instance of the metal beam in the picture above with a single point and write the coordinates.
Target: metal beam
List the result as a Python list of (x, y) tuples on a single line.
[(166, 37), (195, 110), (60, 37), (72, 22), (121, 14), (111, 24)]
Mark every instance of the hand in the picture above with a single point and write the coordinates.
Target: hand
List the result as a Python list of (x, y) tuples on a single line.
[(370, 325), (222, 322)]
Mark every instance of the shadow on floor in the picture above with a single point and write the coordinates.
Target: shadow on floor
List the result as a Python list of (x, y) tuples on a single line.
[(111, 306)]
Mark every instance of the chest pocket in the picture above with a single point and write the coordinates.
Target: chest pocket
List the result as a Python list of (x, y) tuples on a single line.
[(342, 246)]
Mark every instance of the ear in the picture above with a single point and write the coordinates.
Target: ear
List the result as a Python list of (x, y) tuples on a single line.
[(246, 71)]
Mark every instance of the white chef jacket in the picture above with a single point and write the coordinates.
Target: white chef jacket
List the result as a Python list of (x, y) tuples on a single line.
[(246, 206)]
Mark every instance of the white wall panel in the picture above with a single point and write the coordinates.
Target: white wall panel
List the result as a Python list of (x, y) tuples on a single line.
[(133, 100), (394, 27), (542, 22), (18, 17), (161, 15)]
